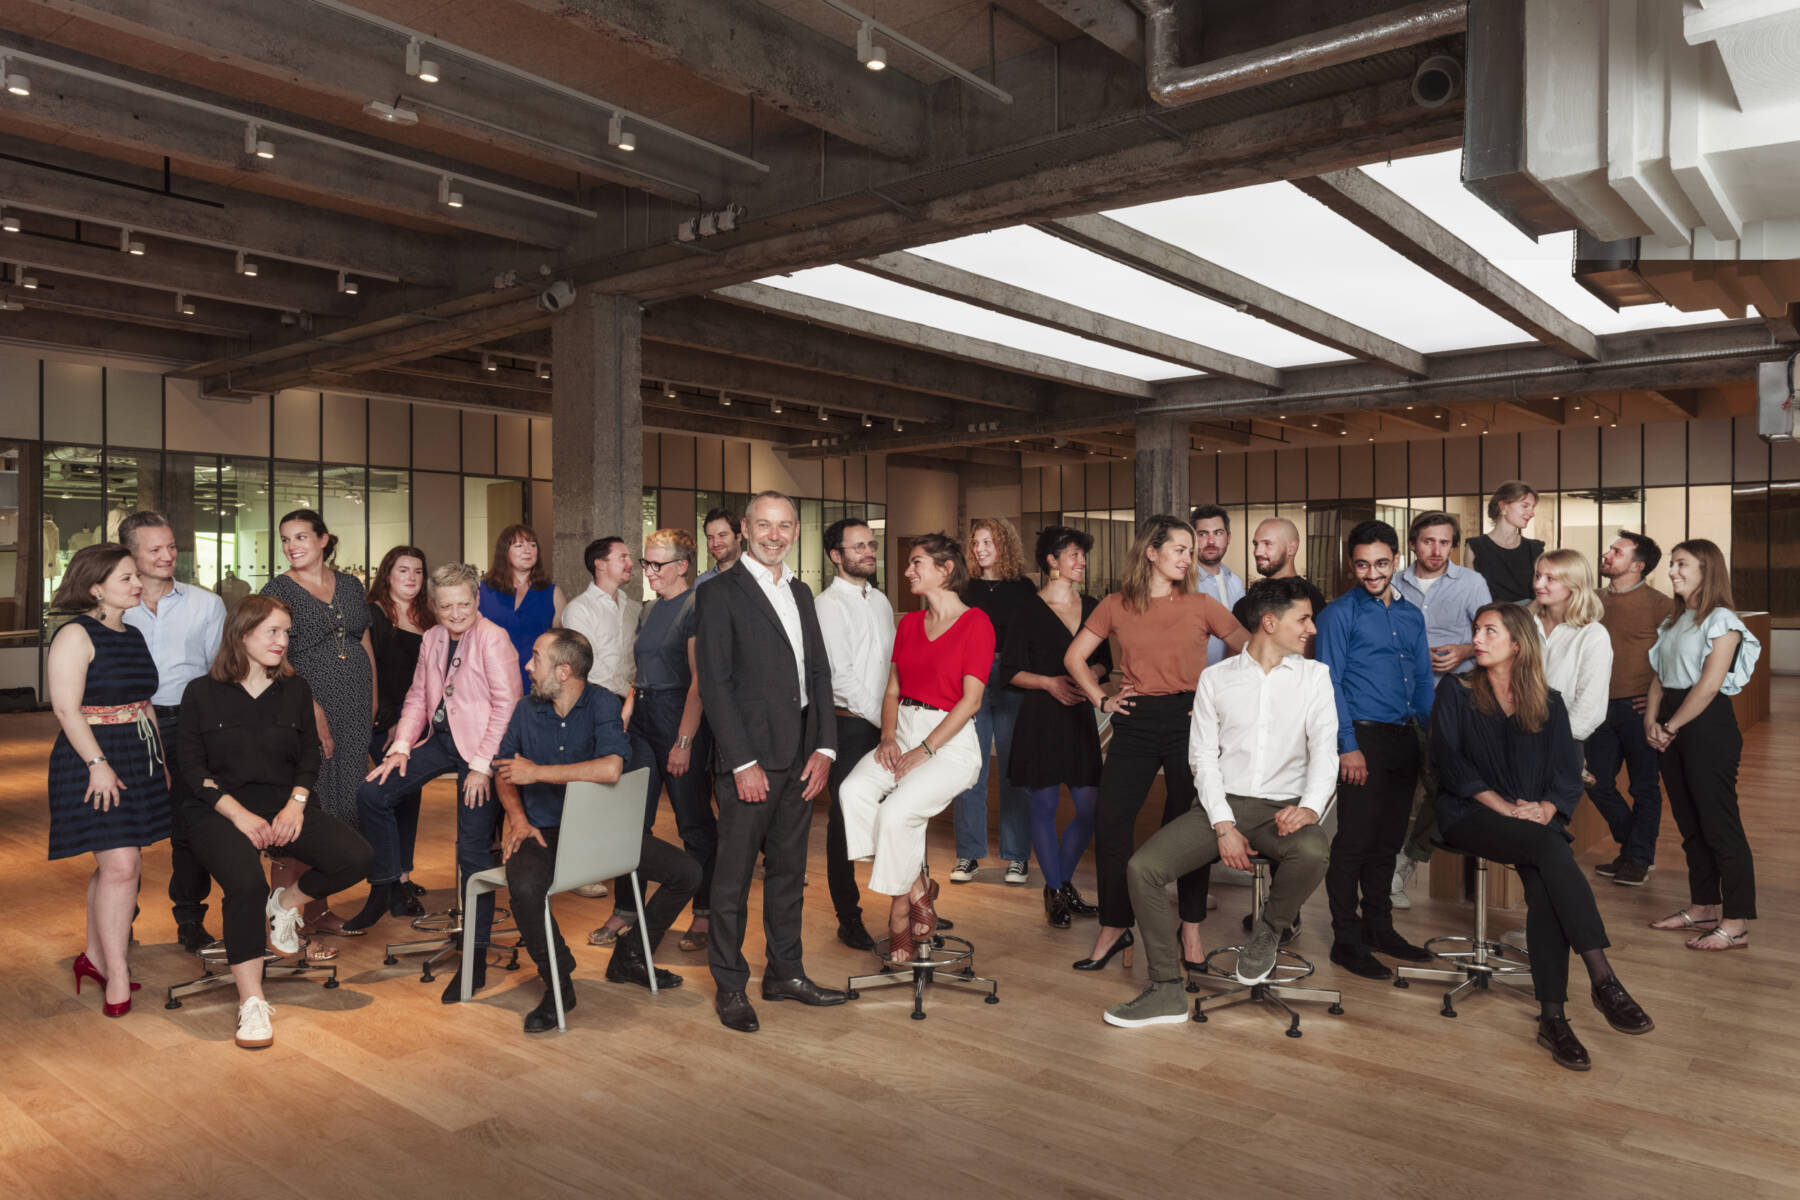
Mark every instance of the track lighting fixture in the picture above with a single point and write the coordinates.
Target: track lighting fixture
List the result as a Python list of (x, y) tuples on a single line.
[(255, 144), (618, 135), (9, 224), (543, 371), (724, 400), (898, 427), (246, 267), (867, 52), (129, 246), (28, 282), (446, 196), (823, 415), (488, 364), (347, 285), (775, 407), (392, 113), (417, 65), (668, 391), (8, 304), (868, 421), (16, 84), (183, 305)]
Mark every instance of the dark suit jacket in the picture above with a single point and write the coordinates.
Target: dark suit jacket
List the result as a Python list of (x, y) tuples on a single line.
[(747, 685)]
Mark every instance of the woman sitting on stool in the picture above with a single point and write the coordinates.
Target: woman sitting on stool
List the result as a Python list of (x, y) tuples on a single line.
[(250, 750), (1509, 775), (928, 751)]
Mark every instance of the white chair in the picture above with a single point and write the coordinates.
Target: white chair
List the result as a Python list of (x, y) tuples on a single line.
[(601, 838)]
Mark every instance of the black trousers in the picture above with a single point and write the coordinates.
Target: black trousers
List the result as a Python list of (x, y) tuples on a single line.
[(1560, 914), (1152, 736), (1372, 820), (337, 855), (855, 739), (189, 884), (528, 875), (777, 829), (1699, 769)]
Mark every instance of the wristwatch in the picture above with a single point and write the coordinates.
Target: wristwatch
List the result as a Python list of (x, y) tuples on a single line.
[(96, 760), (683, 741), (298, 798)]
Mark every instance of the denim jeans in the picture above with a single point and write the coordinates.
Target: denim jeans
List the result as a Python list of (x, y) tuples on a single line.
[(406, 812), (994, 722), (1620, 738), (655, 724)]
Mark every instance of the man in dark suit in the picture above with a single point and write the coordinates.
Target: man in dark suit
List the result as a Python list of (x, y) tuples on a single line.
[(765, 685)]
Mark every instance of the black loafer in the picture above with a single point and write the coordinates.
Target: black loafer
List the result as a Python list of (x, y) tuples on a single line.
[(852, 933), (542, 1019), (627, 965), (1620, 1010), (804, 990), (1359, 961), (1394, 946), (1555, 1036), (193, 936), (735, 1012)]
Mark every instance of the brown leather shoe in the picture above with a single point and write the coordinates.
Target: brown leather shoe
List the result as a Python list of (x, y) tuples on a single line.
[(1620, 1010), (1555, 1036), (804, 990)]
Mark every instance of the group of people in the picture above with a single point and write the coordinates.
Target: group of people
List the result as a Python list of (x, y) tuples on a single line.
[(1438, 704)]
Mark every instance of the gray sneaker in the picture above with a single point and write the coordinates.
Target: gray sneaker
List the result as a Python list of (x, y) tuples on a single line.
[(1164, 1002), (1257, 959)]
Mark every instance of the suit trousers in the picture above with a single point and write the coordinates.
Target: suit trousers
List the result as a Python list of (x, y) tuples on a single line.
[(855, 739), (885, 818), (1700, 770), (1560, 913), (1188, 842), (1152, 736), (1372, 818), (778, 829), (189, 882), (1620, 738)]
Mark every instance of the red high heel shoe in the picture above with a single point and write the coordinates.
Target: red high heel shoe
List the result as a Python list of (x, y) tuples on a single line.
[(85, 966), (117, 1010)]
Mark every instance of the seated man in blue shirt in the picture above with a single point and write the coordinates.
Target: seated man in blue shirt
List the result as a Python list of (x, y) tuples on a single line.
[(562, 732)]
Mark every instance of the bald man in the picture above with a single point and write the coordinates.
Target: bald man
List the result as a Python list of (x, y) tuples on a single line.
[(1274, 547)]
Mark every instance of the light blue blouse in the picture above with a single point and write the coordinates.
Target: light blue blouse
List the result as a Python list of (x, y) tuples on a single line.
[(1679, 655)]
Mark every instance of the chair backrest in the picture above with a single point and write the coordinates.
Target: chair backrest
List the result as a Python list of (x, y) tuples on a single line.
[(602, 831)]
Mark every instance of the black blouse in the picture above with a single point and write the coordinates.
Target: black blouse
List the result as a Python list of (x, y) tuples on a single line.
[(1508, 571), (396, 658), (1037, 640), (1473, 752), (239, 741), (1001, 600)]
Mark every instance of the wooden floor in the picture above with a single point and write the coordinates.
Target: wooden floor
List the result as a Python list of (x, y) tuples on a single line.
[(376, 1089)]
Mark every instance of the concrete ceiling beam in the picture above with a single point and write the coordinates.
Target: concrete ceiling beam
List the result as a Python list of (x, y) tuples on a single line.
[(910, 333), (169, 270), (1681, 402), (1064, 428), (1115, 24), (1172, 264), (1381, 214), (845, 397), (104, 301), (1540, 412), (46, 328), (956, 284), (753, 50)]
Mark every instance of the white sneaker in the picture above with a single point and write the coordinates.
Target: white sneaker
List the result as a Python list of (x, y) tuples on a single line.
[(284, 924), (1017, 871), (1403, 873), (592, 891), (964, 870), (254, 1030)]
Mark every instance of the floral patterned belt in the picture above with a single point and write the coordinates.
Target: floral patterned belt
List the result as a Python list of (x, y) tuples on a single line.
[(139, 713)]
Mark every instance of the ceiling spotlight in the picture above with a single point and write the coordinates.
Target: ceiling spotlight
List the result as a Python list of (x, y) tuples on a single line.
[(255, 144), (724, 400), (488, 364), (543, 370), (128, 245), (775, 406), (183, 305), (898, 427), (668, 391), (445, 195), (617, 135), (1465, 422), (347, 285), (867, 52), (18, 85), (246, 267), (1577, 404), (8, 304), (28, 282), (9, 224), (417, 65), (392, 113), (823, 415), (868, 421)]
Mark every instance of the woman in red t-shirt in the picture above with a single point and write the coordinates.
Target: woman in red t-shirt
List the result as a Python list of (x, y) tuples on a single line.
[(928, 753)]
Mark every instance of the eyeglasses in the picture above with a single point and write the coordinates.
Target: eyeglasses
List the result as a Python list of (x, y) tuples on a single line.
[(650, 564)]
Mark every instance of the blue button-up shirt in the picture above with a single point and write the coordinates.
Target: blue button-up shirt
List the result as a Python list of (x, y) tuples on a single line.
[(1449, 607), (1227, 587), (591, 729), (183, 635), (1380, 661)]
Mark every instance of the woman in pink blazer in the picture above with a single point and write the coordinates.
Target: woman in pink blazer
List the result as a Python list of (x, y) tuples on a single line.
[(461, 699)]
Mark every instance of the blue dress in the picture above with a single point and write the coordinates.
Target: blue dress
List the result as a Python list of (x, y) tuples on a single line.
[(122, 672), (524, 624)]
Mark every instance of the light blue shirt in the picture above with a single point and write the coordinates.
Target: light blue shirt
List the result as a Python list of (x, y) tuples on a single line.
[(706, 575), (183, 635), (1227, 587), (1449, 606)]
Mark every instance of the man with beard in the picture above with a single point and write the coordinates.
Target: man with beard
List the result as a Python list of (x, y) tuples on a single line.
[(566, 731), (765, 682), (857, 624), (1274, 547), (1212, 537), (721, 530), (1373, 639)]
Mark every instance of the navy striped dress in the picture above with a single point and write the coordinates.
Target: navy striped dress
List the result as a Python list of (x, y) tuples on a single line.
[(122, 672)]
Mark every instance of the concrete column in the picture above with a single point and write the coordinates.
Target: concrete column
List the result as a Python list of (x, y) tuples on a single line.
[(596, 430), (1160, 468)]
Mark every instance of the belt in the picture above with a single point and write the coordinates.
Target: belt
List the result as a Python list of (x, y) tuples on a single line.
[(652, 691), (167, 712), (909, 702), (844, 712), (139, 713), (1396, 726)]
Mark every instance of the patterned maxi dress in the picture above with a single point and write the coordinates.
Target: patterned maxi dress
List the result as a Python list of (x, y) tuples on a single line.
[(326, 648)]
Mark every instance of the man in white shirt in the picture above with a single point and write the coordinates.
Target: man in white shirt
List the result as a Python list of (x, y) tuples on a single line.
[(1263, 747), (607, 615), (182, 625), (721, 530), (857, 624), (1212, 538)]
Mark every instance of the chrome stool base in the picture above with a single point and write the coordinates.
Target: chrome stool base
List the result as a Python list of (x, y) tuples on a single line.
[(1281, 985), (275, 966), (447, 945), (949, 961), (1477, 967)]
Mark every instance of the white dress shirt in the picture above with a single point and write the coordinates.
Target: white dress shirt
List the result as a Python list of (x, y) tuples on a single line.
[(1271, 734), (857, 624), (610, 624), (183, 635), (780, 593), (1227, 587), (1578, 663)]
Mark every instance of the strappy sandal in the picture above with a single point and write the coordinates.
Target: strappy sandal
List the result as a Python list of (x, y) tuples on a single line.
[(1716, 936), (924, 913), (901, 945), (606, 935), (1687, 922)]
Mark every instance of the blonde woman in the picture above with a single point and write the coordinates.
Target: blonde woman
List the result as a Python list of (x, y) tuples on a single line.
[(998, 587), (1578, 654)]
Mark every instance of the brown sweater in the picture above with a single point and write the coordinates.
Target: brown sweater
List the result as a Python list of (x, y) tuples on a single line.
[(1632, 619)]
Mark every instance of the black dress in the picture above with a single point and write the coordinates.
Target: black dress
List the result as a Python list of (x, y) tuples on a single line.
[(396, 658), (1002, 600), (122, 672), (325, 646), (1054, 743), (1508, 572)]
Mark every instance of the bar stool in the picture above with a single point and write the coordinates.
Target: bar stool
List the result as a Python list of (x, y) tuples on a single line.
[(1279, 987), (1480, 962), (937, 959), (276, 966), (446, 940)]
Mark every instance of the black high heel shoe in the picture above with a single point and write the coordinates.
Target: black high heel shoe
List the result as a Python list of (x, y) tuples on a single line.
[(1056, 911), (1125, 943)]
